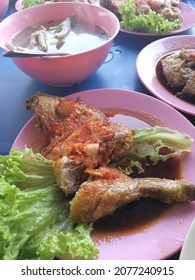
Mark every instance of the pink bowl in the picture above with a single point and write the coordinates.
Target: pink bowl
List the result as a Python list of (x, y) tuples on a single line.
[(4, 4), (61, 70)]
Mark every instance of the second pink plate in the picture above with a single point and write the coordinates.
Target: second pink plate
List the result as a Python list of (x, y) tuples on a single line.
[(146, 64), (188, 15)]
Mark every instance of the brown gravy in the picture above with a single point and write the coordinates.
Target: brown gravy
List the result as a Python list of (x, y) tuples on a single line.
[(139, 215), (135, 217)]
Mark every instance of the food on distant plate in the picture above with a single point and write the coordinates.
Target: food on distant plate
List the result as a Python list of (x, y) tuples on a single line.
[(69, 37), (30, 3), (149, 16), (164, 7), (177, 72), (112, 6)]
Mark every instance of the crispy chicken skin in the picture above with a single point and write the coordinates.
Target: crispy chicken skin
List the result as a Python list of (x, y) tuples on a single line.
[(166, 190), (112, 6), (45, 110), (172, 68), (108, 189), (189, 89), (53, 112), (79, 137)]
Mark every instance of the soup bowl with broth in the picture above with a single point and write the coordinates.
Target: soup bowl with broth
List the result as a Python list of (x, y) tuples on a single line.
[(80, 35)]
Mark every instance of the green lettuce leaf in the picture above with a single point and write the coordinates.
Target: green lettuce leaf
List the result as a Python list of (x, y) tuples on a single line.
[(152, 145), (26, 169), (148, 23), (34, 213), (30, 3)]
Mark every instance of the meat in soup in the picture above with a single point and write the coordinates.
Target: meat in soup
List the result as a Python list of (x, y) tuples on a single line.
[(69, 36)]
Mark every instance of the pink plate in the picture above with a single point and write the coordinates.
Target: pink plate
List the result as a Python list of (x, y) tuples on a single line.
[(150, 55), (188, 14), (164, 236)]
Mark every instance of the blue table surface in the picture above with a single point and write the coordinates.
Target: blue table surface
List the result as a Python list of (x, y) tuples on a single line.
[(118, 71)]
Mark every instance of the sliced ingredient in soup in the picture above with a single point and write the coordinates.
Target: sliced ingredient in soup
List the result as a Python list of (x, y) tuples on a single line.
[(70, 36)]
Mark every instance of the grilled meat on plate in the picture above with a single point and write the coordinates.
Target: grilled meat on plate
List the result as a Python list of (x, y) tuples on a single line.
[(179, 71), (82, 144), (108, 189), (80, 137)]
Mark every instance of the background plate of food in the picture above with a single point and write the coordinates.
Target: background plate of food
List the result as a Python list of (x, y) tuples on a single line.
[(151, 17), (21, 4), (145, 229), (181, 94)]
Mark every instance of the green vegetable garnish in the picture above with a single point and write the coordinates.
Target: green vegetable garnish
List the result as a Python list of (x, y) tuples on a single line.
[(26, 169), (147, 23), (152, 145), (34, 213), (30, 3)]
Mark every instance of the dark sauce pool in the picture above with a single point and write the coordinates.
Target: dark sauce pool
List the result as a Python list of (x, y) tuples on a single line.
[(139, 215), (135, 217)]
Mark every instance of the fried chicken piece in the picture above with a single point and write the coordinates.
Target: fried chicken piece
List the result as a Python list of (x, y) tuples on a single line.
[(188, 92), (113, 7), (146, 6), (179, 71), (108, 189), (157, 5), (189, 56), (166, 190), (142, 7), (80, 137), (44, 107), (79, 131), (172, 13), (172, 66), (53, 112)]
